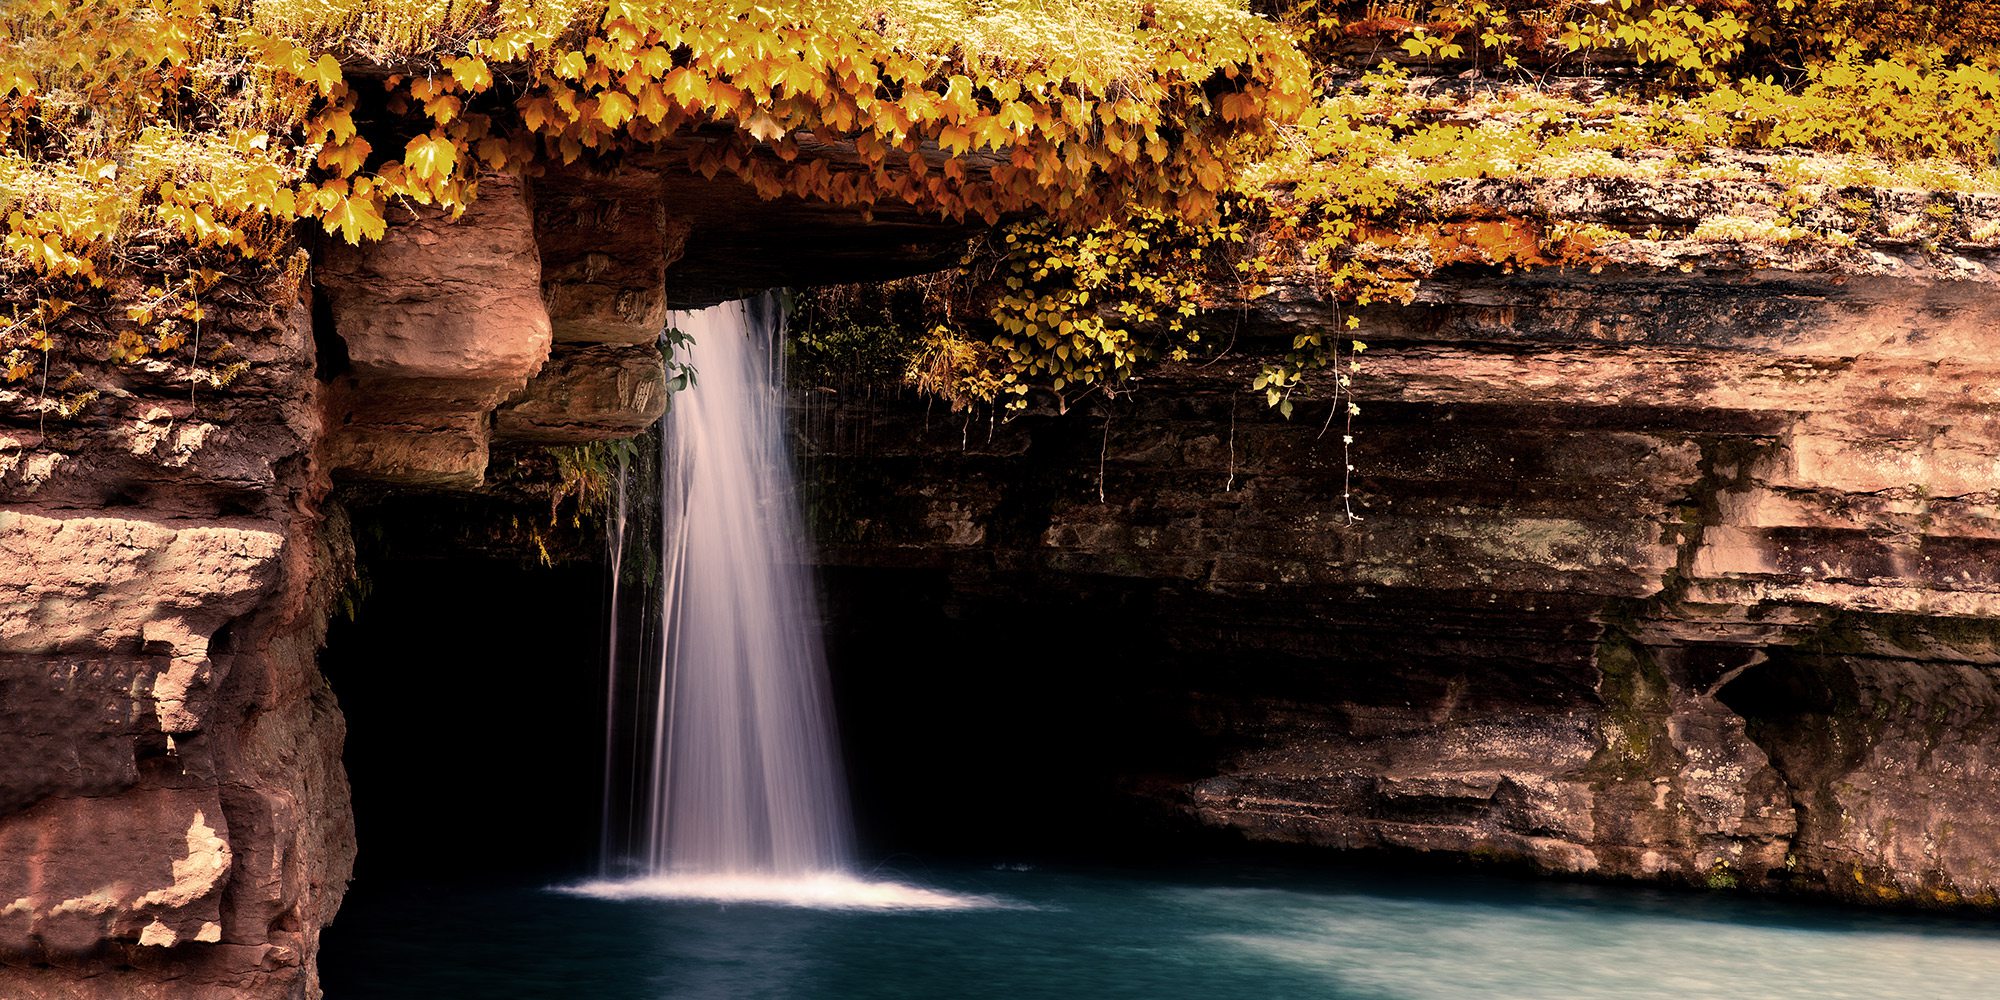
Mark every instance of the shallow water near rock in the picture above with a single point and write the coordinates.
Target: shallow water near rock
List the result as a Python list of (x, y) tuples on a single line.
[(1212, 932)]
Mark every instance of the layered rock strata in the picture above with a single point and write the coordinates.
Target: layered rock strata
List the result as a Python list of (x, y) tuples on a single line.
[(1687, 578), (174, 818), (1645, 574)]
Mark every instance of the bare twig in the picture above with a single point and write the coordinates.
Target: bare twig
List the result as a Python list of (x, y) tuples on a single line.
[(1230, 484), (1103, 451)]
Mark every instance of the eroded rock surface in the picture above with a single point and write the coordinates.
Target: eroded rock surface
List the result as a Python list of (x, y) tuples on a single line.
[(440, 322), (1688, 577), (174, 817), (589, 393)]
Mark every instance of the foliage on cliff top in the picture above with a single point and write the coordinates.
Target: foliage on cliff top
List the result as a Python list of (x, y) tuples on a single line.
[(1798, 108), (142, 137), (1902, 80), (1708, 40)]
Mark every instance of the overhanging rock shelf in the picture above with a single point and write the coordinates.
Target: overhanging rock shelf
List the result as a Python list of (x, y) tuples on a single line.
[(1674, 575), (174, 819)]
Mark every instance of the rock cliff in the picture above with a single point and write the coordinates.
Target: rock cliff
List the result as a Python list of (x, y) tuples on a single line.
[(1655, 573), (1663, 573), (174, 817)]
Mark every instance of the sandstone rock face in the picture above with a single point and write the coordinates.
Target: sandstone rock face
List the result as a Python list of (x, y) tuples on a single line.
[(606, 244), (173, 820), (1687, 578), (589, 393), (441, 321), (440, 332)]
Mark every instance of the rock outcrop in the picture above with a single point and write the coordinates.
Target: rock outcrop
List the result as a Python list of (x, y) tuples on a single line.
[(174, 818), (1688, 577), (1650, 574), (439, 323)]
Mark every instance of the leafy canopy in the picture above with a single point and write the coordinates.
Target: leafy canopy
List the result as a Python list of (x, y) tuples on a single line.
[(150, 149), (1363, 193)]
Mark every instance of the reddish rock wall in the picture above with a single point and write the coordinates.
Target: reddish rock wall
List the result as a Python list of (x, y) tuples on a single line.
[(1689, 577), (174, 818)]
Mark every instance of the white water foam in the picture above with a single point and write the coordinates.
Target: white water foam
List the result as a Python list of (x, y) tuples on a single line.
[(827, 890)]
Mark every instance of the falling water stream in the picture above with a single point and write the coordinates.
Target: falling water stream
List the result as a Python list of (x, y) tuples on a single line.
[(746, 774), (738, 792)]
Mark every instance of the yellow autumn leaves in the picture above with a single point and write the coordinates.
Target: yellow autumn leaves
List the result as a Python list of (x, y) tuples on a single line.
[(1074, 132), (1069, 145), (210, 127), (1878, 93)]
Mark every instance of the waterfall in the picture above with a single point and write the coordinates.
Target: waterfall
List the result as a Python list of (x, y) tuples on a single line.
[(745, 770), (722, 773), (615, 533)]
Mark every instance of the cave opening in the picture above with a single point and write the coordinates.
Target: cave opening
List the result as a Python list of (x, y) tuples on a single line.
[(473, 684), (472, 692), (472, 680)]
